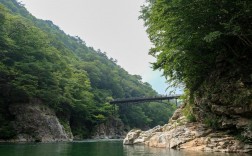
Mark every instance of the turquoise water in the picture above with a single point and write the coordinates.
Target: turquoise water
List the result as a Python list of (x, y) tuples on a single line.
[(94, 148)]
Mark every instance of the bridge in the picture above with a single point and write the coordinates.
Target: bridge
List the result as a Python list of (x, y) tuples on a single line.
[(145, 99)]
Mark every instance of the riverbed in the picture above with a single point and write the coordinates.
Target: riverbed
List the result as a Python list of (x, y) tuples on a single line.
[(94, 148)]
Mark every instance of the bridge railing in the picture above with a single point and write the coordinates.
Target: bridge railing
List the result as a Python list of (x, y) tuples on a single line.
[(145, 99)]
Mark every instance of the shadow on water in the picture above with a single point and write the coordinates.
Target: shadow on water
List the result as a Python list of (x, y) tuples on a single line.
[(80, 148), (35, 149), (94, 148)]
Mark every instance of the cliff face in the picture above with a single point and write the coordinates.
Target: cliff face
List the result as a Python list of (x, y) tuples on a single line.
[(218, 118), (179, 133), (111, 129), (224, 100), (37, 122)]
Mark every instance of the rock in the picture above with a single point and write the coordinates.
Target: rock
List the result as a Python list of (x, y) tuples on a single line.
[(37, 122), (176, 114), (131, 137), (222, 101), (242, 122), (238, 110), (158, 140), (227, 123), (111, 129), (180, 134), (145, 135)]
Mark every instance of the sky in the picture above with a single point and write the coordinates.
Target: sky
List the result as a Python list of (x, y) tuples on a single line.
[(109, 25)]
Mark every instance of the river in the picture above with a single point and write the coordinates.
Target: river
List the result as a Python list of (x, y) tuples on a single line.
[(93, 148)]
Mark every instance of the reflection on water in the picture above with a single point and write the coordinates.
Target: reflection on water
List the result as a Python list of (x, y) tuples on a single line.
[(144, 151), (95, 148), (36, 149), (148, 151), (81, 148)]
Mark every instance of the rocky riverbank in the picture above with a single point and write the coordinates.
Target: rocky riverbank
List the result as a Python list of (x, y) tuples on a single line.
[(35, 122), (179, 133)]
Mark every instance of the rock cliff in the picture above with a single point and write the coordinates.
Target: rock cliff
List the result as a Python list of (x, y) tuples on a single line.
[(37, 122), (180, 133), (217, 115), (111, 129)]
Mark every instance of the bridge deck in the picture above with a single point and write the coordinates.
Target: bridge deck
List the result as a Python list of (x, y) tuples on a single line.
[(144, 99)]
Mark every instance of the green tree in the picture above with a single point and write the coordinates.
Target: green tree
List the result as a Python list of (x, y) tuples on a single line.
[(190, 35)]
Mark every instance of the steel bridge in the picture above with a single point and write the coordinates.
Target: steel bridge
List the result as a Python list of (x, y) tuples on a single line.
[(145, 99)]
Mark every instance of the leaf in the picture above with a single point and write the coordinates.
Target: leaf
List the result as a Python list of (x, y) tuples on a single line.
[(212, 36)]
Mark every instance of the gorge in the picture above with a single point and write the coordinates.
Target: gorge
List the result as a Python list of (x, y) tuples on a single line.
[(55, 88)]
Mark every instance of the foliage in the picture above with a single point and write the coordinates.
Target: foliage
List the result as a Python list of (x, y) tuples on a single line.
[(187, 112), (212, 122), (189, 36), (164, 110), (191, 117), (39, 61)]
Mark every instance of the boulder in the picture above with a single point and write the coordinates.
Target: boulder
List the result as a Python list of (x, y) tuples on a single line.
[(131, 137)]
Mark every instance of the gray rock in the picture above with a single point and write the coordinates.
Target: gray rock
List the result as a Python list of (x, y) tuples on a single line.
[(179, 134), (37, 122), (131, 137), (111, 129)]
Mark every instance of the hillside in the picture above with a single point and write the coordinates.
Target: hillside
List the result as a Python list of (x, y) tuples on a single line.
[(45, 71)]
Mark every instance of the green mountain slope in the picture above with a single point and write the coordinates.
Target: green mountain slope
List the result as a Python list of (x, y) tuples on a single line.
[(40, 61)]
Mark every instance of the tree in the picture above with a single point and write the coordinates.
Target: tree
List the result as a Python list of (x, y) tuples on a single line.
[(190, 35)]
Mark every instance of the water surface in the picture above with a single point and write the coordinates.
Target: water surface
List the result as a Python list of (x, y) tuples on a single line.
[(94, 148)]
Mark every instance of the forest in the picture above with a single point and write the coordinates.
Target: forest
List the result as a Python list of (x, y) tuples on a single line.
[(38, 61)]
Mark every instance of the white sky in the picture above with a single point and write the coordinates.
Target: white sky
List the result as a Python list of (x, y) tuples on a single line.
[(109, 25)]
